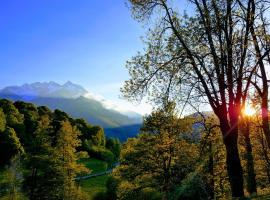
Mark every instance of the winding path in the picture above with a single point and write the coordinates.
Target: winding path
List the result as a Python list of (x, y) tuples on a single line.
[(109, 171)]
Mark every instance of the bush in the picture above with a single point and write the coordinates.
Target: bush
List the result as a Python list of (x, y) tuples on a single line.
[(194, 187), (111, 185), (114, 145), (101, 196), (150, 194), (101, 153)]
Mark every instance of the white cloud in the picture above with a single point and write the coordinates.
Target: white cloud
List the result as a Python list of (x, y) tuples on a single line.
[(121, 105)]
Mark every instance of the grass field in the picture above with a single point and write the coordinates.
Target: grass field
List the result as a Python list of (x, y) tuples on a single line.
[(94, 185), (94, 165)]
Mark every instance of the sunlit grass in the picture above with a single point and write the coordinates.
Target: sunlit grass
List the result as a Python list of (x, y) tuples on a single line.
[(94, 185), (94, 165)]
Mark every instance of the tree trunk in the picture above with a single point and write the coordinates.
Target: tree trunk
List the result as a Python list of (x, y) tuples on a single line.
[(33, 183), (234, 168), (264, 92), (211, 171), (265, 155), (265, 118), (251, 180)]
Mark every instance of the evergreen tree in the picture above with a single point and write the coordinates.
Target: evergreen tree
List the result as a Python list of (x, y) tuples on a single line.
[(65, 163), (114, 145), (38, 178), (9, 145), (14, 177), (2, 120)]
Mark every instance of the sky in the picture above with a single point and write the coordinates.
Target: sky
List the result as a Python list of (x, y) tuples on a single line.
[(85, 41)]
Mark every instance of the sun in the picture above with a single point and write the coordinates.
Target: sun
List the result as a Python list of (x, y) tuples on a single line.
[(249, 111)]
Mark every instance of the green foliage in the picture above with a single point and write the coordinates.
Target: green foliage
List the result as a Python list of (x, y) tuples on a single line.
[(101, 153), (43, 110), (94, 186), (65, 162), (114, 145), (128, 191), (193, 187), (97, 136), (50, 141), (12, 178), (38, 178), (94, 165), (91, 136), (100, 196), (58, 117), (2, 120), (30, 113), (112, 185), (9, 145), (157, 159), (84, 128), (30, 116), (150, 193), (111, 190), (13, 117)]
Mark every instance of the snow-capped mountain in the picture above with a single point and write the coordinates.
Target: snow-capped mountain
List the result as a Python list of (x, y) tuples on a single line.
[(46, 89)]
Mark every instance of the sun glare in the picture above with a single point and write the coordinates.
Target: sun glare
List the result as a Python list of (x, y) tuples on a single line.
[(249, 111)]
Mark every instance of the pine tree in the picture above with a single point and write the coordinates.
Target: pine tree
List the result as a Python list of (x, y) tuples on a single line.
[(38, 161), (66, 166)]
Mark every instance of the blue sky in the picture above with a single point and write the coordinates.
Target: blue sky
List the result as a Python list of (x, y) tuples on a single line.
[(84, 41)]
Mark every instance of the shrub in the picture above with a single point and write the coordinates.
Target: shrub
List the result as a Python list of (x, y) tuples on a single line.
[(194, 187)]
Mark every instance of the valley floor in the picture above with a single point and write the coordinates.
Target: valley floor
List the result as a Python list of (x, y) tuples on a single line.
[(94, 185)]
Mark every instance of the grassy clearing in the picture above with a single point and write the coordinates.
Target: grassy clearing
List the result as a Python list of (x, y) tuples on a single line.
[(94, 165), (94, 185)]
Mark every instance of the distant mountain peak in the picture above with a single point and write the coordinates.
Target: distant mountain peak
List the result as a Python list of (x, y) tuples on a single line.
[(68, 83), (72, 86), (46, 89)]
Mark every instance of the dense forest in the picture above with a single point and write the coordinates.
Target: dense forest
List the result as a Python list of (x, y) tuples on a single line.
[(43, 156), (41, 150)]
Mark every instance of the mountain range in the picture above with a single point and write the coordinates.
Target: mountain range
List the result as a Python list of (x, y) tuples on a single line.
[(79, 103)]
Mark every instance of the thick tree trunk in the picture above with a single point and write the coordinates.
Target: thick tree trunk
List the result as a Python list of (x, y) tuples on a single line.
[(211, 172), (264, 90), (251, 180), (265, 156), (33, 184), (234, 168), (265, 117)]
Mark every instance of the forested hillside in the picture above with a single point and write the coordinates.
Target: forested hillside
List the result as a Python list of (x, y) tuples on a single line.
[(40, 152)]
